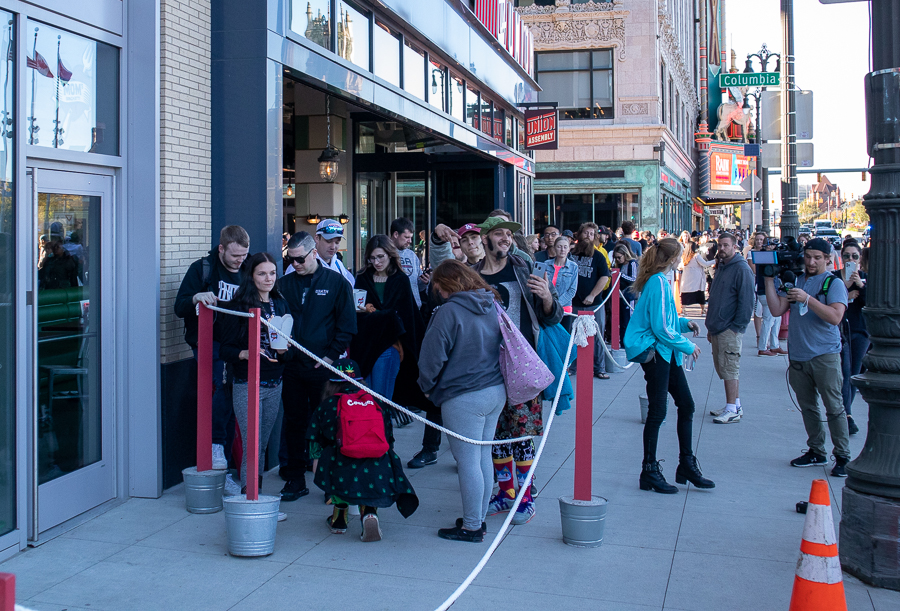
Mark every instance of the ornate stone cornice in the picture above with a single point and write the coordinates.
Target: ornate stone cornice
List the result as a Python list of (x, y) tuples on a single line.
[(671, 49), (577, 26)]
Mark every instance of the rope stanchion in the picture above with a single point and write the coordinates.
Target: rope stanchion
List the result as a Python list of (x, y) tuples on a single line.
[(584, 420), (204, 387), (7, 592), (614, 313), (251, 444)]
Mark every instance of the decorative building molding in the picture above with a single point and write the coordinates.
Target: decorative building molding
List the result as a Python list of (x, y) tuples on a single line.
[(630, 109), (577, 26), (674, 55)]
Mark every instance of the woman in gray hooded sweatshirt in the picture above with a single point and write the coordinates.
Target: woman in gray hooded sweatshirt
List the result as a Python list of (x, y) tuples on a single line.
[(459, 370)]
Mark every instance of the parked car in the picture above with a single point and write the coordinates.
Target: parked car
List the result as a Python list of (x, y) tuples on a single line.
[(829, 234)]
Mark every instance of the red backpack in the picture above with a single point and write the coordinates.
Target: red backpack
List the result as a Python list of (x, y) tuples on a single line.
[(361, 426)]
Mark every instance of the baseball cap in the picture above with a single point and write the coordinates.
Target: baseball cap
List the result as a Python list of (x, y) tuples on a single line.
[(468, 228), (347, 367), (330, 228), (819, 244), (568, 233), (56, 230), (498, 222)]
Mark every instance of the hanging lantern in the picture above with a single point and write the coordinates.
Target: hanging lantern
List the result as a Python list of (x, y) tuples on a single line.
[(328, 160)]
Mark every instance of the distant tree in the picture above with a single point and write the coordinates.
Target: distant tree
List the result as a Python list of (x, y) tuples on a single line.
[(858, 214), (807, 210)]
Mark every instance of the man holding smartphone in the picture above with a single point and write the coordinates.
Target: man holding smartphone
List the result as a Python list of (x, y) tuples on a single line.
[(817, 302)]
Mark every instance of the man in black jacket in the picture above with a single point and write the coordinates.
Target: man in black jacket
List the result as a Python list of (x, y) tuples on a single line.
[(321, 302), (213, 280)]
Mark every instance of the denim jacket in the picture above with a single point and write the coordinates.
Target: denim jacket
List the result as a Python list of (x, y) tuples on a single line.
[(566, 280)]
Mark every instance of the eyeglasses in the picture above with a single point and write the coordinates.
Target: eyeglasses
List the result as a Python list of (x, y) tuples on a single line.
[(331, 230), (552, 234), (301, 259), (847, 255), (374, 258)]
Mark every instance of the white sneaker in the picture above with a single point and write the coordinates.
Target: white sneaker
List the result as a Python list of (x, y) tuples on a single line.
[(282, 516), (718, 412), (220, 463), (729, 417), (231, 487)]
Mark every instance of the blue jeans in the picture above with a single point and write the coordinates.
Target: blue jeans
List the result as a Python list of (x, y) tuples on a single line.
[(852, 353), (222, 408), (384, 373)]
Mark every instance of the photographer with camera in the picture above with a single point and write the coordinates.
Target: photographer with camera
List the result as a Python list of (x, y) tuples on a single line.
[(817, 301)]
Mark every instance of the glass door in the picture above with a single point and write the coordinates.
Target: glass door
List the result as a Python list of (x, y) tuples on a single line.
[(72, 414)]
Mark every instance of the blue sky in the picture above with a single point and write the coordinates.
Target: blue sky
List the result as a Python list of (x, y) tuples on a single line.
[(831, 45)]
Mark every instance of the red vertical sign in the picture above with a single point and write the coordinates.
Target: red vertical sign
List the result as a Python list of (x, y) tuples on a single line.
[(542, 129)]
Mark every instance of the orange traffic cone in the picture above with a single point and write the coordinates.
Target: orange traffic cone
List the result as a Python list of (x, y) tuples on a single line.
[(818, 584)]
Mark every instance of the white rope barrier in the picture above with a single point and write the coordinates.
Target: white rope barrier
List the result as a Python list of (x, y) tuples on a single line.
[(446, 431), (583, 327), (612, 291)]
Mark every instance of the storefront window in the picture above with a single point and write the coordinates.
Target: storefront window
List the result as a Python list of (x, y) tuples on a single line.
[(509, 131), (414, 71), (387, 54), (353, 35), (487, 117), (472, 108), (456, 99), (73, 91), (7, 286), (438, 75), (312, 20), (581, 82)]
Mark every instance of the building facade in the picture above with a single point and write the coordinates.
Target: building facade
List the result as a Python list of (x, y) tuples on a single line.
[(624, 77)]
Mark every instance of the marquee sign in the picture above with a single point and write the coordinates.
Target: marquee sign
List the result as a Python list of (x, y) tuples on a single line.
[(722, 170), (505, 24), (542, 129)]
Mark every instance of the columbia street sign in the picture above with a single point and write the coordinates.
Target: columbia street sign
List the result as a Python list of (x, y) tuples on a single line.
[(750, 79)]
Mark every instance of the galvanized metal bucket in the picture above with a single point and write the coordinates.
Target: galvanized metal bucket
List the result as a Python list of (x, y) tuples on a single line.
[(617, 362), (203, 490), (251, 525), (583, 522)]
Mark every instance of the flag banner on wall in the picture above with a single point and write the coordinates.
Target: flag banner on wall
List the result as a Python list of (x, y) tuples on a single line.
[(39, 64)]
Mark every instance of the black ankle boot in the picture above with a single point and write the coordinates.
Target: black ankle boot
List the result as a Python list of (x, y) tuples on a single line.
[(689, 471), (652, 479)]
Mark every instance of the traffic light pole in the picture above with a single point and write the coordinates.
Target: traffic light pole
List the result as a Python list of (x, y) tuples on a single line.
[(790, 222), (869, 543)]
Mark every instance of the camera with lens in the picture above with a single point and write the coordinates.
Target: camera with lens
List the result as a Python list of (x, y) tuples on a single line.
[(785, 262)]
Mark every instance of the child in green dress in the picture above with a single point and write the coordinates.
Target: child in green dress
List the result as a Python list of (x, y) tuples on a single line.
[(368, 482)]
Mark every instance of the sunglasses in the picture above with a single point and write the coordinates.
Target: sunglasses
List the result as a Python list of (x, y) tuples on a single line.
[(848, 255), (331, 230), (301, 259)]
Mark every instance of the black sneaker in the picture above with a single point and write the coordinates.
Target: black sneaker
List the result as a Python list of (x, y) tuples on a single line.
[(852, 426), (839, 469), (422, 459), (810, 459), (459, 524), (461, 534), (294, 489)]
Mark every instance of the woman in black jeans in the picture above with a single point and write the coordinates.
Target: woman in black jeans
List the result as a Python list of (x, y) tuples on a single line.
[(654, 339), (854, 336)]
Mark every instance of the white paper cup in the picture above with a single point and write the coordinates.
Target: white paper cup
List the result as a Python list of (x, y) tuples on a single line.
[(360, 296)]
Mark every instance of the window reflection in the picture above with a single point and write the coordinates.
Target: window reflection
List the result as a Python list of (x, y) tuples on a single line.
[(486, 124), (7, 285), (73, 92), (414, 71), (472, 108), (353, 35), (438, 85), (456, 99), (387, 54), (312, 20)]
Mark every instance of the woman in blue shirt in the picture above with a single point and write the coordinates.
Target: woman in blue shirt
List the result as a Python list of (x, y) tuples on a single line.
[(654, 339)]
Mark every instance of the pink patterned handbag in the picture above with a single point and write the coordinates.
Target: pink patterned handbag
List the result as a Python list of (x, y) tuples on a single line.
[(524, 373)]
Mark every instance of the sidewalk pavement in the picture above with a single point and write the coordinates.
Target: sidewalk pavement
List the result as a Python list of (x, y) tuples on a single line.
[(731, 548)]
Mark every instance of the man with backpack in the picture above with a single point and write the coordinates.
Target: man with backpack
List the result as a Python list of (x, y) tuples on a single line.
[(817, 301), (213, 280)]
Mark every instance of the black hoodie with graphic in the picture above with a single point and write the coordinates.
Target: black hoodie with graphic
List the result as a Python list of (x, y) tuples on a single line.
[(220, 281)]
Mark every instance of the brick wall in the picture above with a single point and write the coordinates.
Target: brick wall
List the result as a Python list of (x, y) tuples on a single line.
[(185, 156)]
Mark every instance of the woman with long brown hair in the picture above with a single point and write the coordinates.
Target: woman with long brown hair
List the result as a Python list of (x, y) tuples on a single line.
[(654, 339), (459, 370)]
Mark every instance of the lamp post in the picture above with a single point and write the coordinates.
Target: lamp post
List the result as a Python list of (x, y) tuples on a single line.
[(763, 55), (869, 544), (790, 223)]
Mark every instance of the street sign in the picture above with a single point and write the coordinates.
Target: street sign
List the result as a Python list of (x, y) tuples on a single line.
[(770, 155), (751, 184), (718, 211), (770, 114), (750, 79)]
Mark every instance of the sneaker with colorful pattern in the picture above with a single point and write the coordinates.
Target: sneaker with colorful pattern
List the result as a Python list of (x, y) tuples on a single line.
[(500, 503)]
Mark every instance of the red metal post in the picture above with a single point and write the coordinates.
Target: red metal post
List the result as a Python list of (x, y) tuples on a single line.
[(7, 591), (251, 444), (615, 303), (584, 418), (204, 388)]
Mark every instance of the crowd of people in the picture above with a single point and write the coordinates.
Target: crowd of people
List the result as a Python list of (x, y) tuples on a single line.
[(420, 324)]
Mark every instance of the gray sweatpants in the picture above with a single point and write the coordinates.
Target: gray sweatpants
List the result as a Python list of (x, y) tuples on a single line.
[(474, 415), (269, 401)]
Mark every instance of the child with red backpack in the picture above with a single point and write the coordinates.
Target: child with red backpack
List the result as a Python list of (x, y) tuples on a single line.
[(351, 435)]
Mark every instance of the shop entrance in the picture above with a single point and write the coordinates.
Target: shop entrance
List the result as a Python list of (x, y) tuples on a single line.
[(70, 312)]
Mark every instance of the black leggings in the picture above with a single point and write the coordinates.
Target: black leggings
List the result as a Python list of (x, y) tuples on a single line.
[(664, 378)]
